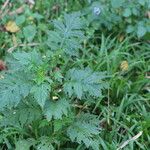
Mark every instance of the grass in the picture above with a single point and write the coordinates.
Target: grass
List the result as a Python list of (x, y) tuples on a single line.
[(124, 108)]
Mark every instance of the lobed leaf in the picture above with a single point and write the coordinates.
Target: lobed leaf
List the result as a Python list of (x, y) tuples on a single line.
[(85, 129), (67, 34), (56, 109), (80, 82)]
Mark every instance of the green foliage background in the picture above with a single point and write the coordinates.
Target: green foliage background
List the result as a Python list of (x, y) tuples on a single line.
[(64, 87)]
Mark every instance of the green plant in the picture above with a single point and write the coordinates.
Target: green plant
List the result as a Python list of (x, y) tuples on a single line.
[(69, 86), (123, 15), (29, 86)]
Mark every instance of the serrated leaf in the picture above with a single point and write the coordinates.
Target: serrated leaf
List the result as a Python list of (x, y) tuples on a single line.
[(130, 29), (117, 3), (24, 60), (127, 12), (56, 109), (41, 93), (29, 32), (142, 2), (20, 19), (67, 34), (141, 31), (84, 129), (80, 82), (23, 145), (24, 114), (45, 144), (13, 88)]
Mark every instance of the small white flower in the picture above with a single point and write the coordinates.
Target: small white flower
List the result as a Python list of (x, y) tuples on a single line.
[(14, 113), (96, 11), (59, 90), (54, 97)]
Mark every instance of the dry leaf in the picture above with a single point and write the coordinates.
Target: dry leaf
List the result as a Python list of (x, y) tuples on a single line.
[(148, 14), (12, 27), (17, 11), (132, 139), (121, 38), (2, 65), (14, 39), (31, 2), (124, 66), (147, 75)]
